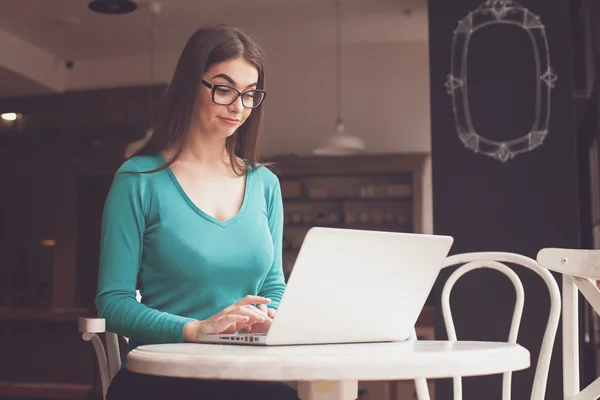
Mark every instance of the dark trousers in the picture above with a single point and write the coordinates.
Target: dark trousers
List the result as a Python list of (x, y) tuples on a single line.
[(128, 385)]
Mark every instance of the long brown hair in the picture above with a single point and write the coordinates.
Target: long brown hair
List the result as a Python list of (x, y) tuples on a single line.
[(175, 112)]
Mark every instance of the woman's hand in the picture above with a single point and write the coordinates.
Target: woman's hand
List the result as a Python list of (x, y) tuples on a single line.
[(231, 319), (263, 327)]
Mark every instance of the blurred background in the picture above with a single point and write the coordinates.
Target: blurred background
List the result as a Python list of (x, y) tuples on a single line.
[(77, 89), (79, 80)]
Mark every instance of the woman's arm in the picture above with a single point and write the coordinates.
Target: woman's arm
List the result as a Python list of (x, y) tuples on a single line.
[(274, 284), (123, 223)]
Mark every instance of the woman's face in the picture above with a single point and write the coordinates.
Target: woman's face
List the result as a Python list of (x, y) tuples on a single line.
[(223, 120)]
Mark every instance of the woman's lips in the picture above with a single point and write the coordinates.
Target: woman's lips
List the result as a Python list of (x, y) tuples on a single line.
[(230, 121)]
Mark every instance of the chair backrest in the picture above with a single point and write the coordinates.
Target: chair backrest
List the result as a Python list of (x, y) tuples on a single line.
[(497, 261), (580, 270), (109, 359), (113, 351)]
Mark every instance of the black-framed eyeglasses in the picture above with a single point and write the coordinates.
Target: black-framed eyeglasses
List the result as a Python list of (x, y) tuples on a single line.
[(225, 95)]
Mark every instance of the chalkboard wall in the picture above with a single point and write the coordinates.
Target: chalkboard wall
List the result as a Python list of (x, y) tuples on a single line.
[(504, 154)]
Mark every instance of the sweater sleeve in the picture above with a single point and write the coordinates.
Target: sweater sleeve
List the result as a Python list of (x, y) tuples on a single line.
[(123, 223), (274, 284)]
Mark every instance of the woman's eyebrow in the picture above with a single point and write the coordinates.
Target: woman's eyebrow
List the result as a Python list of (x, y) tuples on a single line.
[(230, 80)]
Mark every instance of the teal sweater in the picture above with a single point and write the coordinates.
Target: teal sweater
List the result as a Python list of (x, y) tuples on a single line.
[(189, 265)]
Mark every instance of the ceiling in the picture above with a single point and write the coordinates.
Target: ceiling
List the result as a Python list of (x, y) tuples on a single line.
[(66, 30), (42, 23), (12, 84)]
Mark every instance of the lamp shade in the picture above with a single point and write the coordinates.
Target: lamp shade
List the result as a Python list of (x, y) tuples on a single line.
[(341, 143)]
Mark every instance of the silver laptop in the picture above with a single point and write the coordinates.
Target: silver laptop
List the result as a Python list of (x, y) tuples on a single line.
[(352, 286)]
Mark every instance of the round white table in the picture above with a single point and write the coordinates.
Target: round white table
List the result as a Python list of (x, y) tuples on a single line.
[(329, 372)]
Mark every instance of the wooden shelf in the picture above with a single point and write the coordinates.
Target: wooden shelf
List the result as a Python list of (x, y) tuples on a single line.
[(364, 164), (41, 315), (392, 227), (45, 390), (348, 199), (373, 192)]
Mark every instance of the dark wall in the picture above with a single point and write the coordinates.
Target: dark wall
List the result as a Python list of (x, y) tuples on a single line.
[(59, 140), (56, 165), (78, 118), (519, 204)]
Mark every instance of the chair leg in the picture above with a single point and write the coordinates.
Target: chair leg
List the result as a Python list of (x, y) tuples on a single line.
[(570, 328), (112, 353), (102, 361)]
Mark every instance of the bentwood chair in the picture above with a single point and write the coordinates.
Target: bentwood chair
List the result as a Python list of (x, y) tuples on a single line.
[(498, 261)]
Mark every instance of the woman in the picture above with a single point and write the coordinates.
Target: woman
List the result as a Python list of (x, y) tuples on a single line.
[(195, 221)]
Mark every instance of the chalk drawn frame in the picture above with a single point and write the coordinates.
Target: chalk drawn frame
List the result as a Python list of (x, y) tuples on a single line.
[(493, 12)]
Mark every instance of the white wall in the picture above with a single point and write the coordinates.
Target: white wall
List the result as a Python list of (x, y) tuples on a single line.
[(385, 90), (385, 95), (31, 62)]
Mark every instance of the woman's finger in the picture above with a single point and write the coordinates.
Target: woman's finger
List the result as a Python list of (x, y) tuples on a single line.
[(263, 308), (252, 312), (250, 299), (225, 322), (233, 319), (230, 329), (261, 315)]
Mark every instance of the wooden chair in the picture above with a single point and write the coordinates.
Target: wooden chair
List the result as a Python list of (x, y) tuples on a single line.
[(580, 270), (497, 261), (109, 359)]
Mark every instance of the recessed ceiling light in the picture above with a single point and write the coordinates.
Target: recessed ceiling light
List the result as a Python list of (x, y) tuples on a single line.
[(9, 116), (112, 6)]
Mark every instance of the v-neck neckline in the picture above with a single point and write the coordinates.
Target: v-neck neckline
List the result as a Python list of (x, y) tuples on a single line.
[(198, 210)]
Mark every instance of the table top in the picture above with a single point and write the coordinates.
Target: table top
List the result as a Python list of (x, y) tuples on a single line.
[(365, 361)]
